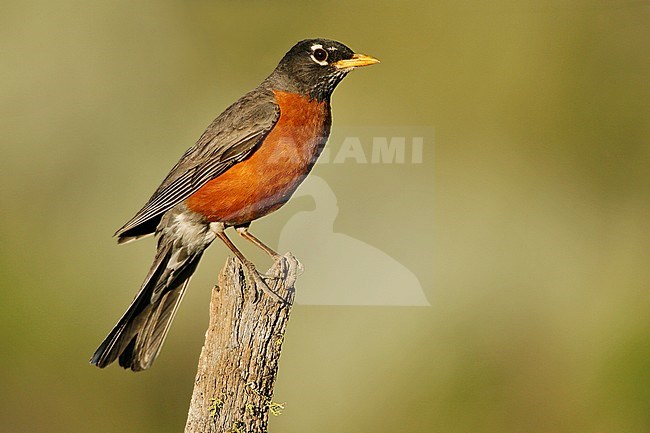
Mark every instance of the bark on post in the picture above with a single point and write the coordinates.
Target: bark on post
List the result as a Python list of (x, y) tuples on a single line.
[(237, 368)]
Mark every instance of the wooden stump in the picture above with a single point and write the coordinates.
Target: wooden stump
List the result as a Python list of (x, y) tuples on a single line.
[(237, 368)]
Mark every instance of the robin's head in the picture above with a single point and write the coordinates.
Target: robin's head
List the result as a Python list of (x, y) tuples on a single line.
[(315, 66)]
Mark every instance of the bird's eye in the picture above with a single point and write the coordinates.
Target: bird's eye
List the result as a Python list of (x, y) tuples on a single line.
[(320, 55)]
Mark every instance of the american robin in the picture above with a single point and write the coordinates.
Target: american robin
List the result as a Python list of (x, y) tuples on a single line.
[(247, 164)]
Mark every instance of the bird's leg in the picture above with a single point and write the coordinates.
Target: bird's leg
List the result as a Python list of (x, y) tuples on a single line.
[(219, 231), (243, 231)]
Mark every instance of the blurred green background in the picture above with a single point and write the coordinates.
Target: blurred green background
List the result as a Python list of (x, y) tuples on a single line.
[(527, 223)]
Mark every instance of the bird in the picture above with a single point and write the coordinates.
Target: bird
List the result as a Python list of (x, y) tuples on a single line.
[(247, 164)]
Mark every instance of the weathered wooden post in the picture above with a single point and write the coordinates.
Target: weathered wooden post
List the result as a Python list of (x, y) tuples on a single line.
[(238, 365)]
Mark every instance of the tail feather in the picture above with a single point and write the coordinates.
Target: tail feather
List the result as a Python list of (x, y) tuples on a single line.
[(145, 347), (138, 336)]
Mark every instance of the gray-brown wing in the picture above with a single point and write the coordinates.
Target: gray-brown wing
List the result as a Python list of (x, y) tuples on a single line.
[(229, 139)]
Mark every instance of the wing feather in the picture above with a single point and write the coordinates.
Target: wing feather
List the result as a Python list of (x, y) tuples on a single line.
[(230, 138)]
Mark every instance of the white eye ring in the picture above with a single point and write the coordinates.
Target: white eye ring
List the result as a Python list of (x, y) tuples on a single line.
[(319, 50)]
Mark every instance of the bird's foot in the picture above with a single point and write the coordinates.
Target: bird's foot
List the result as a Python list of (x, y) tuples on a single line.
[(275, 272), (260, 282)]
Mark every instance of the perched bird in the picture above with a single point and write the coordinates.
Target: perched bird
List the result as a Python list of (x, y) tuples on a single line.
[(247, 164)]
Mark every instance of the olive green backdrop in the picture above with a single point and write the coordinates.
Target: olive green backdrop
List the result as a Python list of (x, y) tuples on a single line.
[(526, 223)]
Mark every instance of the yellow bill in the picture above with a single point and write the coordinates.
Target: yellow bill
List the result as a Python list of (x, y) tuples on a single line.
[(356, 61)]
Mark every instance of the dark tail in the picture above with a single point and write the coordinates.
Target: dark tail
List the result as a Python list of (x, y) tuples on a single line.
[(140, 333)]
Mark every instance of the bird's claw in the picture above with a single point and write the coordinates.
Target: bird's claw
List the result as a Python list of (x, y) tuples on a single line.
[(260, 280)]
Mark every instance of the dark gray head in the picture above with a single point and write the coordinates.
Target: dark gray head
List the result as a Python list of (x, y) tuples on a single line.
[(314, 67)]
